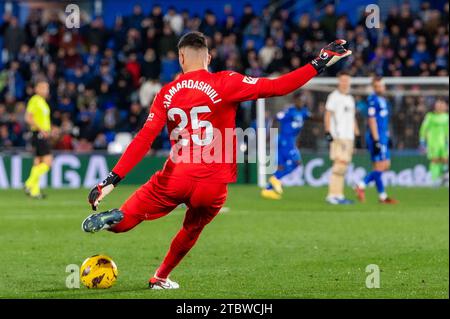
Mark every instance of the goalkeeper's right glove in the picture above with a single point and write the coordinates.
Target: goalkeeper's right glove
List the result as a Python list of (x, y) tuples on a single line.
[(330, 54), (99, 191)]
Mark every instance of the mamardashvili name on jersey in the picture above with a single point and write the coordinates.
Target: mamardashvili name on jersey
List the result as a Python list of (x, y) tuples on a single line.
[(191, 84)]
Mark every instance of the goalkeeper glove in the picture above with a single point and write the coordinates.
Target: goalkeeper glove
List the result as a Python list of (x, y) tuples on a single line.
[(330, 54), (99, 191), (329, 137)]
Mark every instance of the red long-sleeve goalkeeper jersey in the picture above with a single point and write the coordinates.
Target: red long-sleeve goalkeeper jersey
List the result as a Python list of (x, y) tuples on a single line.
[(199, 109)]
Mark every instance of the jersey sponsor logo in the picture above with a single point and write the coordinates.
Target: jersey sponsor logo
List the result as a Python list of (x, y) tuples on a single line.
[(150, 116), (297, 123), (249, 80), (384, 113)]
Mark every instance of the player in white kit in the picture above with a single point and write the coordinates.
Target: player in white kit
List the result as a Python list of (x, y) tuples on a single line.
[(341, 128)]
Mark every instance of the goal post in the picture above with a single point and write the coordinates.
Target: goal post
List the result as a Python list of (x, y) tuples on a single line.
[(261, 141)]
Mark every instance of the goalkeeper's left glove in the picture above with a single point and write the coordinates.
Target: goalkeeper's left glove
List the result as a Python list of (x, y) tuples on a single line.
[(99, 191), (330, 54)]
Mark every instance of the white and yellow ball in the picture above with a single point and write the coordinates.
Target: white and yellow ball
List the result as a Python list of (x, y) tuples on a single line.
[(98, 271)]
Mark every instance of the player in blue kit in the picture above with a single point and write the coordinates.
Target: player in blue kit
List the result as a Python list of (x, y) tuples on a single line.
[(290, 123), (377, 140)]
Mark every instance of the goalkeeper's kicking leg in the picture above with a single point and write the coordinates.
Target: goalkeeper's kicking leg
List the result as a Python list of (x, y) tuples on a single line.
[(195, 220), (142, 205), (156, 199)]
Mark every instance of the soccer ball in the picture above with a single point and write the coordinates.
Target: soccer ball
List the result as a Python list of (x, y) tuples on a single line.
[(98, 271)]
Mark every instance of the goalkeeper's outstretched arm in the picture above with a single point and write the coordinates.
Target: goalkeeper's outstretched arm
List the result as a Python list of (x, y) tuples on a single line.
[(243, 88)]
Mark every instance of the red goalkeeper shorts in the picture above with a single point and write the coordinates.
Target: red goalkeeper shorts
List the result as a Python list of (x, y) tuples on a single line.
[(161, 194)]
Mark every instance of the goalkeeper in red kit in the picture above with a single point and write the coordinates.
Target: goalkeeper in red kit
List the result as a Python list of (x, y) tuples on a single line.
[(199, 109)]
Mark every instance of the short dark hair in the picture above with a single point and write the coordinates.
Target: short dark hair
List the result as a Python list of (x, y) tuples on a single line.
[(195, 39), (377, 78), (440, 99), (40, 79), (342, 73)]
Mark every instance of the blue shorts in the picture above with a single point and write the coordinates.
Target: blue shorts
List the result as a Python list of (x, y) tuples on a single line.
[(288, 157), (384, 155)]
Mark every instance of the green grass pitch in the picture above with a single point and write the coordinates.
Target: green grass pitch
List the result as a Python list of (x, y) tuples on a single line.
[(299, 247)]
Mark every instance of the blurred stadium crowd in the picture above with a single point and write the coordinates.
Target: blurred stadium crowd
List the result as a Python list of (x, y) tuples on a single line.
[(103, 79)]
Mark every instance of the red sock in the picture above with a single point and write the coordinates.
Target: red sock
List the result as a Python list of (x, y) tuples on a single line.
[(180, 246)]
